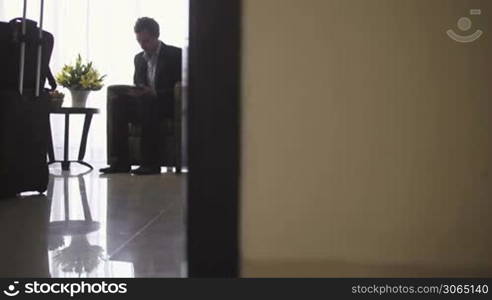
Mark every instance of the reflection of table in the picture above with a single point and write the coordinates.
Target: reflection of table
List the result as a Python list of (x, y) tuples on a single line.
[(67, 226), (80, 256), (67, 111)]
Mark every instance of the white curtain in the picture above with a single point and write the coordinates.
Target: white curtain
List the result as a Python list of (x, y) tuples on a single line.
[(102, 32)]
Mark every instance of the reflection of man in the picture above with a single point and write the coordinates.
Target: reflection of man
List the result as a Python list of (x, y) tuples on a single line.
[(157, 70)]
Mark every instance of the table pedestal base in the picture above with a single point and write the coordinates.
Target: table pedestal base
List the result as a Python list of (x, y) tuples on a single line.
[(66, 164)]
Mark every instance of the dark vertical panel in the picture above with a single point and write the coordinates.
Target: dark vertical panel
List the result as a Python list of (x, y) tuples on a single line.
[(214, 90)]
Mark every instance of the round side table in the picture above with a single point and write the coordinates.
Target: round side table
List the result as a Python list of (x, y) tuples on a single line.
[(67, 111)]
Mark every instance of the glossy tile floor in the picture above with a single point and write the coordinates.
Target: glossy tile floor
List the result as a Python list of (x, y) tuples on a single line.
[(91, 225)]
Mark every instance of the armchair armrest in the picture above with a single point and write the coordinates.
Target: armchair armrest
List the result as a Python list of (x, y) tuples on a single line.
[(178, 114)]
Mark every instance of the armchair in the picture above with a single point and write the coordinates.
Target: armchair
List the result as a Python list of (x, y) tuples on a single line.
[(169, 131)]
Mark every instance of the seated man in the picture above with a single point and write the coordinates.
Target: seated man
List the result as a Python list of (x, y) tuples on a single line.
[(157, 70)]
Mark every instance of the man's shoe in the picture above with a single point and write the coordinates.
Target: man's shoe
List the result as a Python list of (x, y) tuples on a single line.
[(115, 169), (147, 170)]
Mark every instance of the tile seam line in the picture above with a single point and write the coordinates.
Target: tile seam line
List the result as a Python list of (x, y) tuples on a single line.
[(140, 231)]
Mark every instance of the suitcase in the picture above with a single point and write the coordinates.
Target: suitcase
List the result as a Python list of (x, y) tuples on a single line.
[(10, 52), (24, 106)]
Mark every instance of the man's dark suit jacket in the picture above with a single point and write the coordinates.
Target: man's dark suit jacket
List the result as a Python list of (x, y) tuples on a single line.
[(168, 73)]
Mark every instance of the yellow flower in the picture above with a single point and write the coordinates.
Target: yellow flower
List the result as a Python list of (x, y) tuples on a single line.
[(80, 76)]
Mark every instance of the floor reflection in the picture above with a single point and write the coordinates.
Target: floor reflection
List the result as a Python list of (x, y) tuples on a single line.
[(90, 225), (116, 226), (76, 242)]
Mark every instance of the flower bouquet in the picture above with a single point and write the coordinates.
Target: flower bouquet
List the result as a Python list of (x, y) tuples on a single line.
[(80, 79)]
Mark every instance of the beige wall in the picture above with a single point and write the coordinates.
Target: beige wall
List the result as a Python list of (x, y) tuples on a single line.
[(367, 139)]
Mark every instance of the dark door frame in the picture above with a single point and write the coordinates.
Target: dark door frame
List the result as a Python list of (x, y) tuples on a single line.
[(213, 138)]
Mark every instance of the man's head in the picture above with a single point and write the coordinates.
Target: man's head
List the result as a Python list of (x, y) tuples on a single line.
[(147, 32)]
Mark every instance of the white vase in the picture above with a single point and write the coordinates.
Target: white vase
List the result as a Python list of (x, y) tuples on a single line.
[(79, 97)]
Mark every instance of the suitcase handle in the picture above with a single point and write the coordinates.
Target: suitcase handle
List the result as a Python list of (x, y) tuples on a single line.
[(40, 50), (23, 48)]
